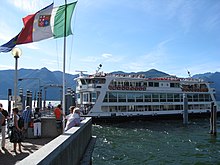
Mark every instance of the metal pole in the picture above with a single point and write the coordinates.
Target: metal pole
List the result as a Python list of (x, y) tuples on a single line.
[(16, 81), (64, 64)]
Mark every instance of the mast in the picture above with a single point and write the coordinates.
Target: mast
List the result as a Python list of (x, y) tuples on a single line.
[(64, 64)]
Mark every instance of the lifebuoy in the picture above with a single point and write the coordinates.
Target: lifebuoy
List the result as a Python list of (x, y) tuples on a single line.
[(123, 88), (110, 87)]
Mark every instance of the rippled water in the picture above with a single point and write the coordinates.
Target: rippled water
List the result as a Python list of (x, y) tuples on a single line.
[(158, 142)]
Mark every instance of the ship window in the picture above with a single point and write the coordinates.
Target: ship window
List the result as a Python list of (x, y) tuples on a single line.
[(195, 97), (147, 108), (126, 83), (156, 84), (140, 108), (177, 97), (131, 108), (139, 97), (189, 96), (178, 107), (145, 84), (155, 107), (169, 97), (207, 97), (112, 97), (147, 97), (174, 85), (83, 81), (85, 97), (113, 108), (131, 97), (201, 97), (138, 84), (163, 97), (155, 97), (122, 108), (151, 84), (106, 98), (121, 97), (93, 97), (78, 98)]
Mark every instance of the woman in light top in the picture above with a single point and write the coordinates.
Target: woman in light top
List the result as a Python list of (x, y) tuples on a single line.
[(73, 119), (16, 132)]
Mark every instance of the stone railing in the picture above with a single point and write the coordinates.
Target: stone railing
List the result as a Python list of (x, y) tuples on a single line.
[(68, 148)]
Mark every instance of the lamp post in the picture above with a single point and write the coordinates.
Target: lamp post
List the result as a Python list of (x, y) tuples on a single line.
[(16, 52)]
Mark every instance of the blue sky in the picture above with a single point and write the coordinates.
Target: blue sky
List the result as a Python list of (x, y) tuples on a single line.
[(172, 36)]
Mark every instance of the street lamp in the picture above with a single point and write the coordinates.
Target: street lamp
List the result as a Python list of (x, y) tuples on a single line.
[(16, 52)]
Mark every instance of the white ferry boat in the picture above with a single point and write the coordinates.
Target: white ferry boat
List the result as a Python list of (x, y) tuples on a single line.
[(105, 96)]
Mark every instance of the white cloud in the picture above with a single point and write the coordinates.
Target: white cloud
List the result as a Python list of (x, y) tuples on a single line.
[(106, 55), (32, 46), (6, 67), (28, 5)]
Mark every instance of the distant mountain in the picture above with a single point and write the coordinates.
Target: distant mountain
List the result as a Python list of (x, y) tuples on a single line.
[(48, 78), (30, 79), (150, 73), (214, 78)]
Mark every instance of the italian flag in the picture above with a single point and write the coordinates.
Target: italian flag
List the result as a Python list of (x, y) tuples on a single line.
[(46, 23)]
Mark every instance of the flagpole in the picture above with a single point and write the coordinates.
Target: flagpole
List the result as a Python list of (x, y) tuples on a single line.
[(64, 64)]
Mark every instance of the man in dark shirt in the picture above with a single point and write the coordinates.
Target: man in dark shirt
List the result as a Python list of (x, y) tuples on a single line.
[(5, 116)]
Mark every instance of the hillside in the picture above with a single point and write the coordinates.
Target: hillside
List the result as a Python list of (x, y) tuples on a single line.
[(47, 77)]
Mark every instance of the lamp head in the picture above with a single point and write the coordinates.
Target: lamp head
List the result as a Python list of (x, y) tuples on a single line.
[(16, 52)]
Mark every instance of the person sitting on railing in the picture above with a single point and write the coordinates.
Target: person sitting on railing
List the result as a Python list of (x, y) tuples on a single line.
[(73, 119)]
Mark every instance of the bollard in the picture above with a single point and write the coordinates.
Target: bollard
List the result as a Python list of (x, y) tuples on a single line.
[(21, 94), (29, 98), (214, 121), (185, 110), (39, 99), (213, 118)]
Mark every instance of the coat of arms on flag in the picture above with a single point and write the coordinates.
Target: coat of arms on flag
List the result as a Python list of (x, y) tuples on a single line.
[(44, 20)]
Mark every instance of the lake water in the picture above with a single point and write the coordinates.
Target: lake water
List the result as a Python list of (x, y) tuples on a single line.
[(165, 142), (156, 142)]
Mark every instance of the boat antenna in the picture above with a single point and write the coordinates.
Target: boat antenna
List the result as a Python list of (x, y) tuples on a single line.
[(99, 67), (80, 72)]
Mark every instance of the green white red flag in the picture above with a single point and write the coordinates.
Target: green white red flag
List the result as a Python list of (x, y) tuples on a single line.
[(46, 23)]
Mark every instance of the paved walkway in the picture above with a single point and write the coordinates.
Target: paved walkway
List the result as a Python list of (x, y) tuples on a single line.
[(29, 146)]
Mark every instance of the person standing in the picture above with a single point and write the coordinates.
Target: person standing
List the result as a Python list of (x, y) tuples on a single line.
[(37, 123), (2, 118), (59, 118), (27, 115), (16, 132), (5, 116), (50, 107)]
